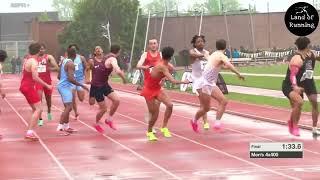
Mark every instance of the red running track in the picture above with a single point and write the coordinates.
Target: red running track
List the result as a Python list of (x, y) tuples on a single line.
[(126, 154)]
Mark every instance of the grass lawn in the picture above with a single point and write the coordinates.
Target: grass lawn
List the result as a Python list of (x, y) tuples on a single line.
[(263, 100), (271, 69), (273, 83), (252, 99)]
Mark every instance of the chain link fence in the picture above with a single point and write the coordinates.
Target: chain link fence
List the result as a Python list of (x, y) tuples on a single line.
[(16, 50)]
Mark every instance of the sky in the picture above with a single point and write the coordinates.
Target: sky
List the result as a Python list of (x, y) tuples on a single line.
[(46, 5)]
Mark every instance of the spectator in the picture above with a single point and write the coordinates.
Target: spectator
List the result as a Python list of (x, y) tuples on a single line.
[(13, 65), (19, 62), (235, 53), (228, 53)]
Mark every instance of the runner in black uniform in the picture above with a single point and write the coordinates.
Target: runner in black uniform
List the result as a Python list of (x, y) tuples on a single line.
[(299, 79)]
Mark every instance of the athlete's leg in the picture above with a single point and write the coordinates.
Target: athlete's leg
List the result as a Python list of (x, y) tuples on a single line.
[(315, 113), (36, 111), (40, 93), (115, 102), (165, 99), (297, 102)]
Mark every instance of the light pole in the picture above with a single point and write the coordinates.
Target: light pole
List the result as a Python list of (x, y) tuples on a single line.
[(252, 33), (133, 41), (227, 28)]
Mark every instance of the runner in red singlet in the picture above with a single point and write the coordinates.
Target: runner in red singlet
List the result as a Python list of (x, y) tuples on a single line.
[(27, 87), (46, 64), (147, 60), (153, 91)]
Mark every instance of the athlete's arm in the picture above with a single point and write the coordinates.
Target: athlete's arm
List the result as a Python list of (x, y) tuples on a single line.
[(3, 95), (315, 55), (193, 54), (70, 68), (1, 72), (115, 66), (53, 63), (84, 63), (90, 65), (230, 66), (35, 75), (141, 61), (171, 68), (59, 75), (167, 74), (294, 66)]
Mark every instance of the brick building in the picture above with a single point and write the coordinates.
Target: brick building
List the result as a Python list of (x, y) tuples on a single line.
[(269, 31), (47, 32)]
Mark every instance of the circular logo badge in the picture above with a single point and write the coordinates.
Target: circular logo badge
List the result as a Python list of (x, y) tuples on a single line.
[(301, 19)]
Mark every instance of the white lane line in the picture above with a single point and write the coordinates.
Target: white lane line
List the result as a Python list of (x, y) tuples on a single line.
[(128, 149), (55, 159)]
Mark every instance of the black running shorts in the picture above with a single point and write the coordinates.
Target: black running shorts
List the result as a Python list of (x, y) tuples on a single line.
[(99, 92)]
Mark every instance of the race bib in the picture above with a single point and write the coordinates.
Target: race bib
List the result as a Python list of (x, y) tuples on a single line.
[(307, 75), (150, 69), (42, 68), (203, 64), (76, 66)]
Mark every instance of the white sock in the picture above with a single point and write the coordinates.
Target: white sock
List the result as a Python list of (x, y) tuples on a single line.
[(30, 132), (66, 126), (109, 118), (60, 126), (314, 128)]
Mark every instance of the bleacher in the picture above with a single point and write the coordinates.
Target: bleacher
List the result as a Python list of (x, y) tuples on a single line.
[(264, 57)]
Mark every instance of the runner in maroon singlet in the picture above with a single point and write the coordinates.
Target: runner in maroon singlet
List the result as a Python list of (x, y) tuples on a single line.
[(101, 67)]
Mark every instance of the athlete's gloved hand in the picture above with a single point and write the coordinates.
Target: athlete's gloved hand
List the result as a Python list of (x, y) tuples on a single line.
[(3, 95)]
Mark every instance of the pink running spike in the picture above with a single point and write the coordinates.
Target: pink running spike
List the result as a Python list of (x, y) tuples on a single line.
[(98, 128), (31, 137), (110, 124), (217, 125), (194, 126), (295, 130)]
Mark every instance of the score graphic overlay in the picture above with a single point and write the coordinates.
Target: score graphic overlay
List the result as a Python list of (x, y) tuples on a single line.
[(276, 150)]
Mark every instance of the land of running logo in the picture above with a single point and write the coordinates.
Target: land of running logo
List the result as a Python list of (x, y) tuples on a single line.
[(301, 19)]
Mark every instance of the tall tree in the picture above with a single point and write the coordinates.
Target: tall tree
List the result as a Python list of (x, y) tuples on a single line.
[(44, 17), (89, 15), (65, 8), (157, 6), (215, 7)]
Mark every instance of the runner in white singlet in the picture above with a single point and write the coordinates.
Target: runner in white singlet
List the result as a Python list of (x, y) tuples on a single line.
[(209, 88), (198, 57)]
